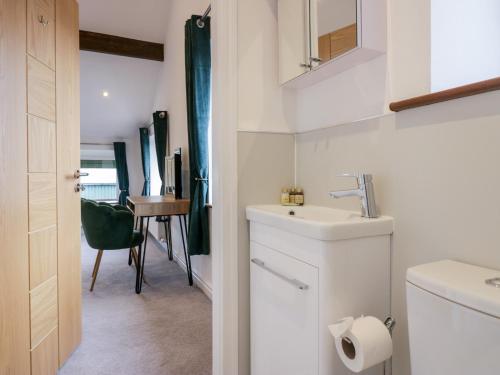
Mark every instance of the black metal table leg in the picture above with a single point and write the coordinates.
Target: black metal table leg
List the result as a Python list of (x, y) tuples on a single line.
[(168, 237), (138, 267), (143, 261), (186, 255)]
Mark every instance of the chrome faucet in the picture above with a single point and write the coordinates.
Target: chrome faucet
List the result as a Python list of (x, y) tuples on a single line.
[(364, 191)]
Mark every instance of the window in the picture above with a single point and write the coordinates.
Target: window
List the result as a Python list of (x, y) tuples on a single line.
[(463, 39), (101, 184)]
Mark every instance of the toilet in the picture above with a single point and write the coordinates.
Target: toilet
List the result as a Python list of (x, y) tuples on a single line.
[(453, 319)]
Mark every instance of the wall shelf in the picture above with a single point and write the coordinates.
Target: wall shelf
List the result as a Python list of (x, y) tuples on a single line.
[(445, 95)]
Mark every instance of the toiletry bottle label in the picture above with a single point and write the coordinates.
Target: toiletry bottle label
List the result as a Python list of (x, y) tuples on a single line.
[(285, 196), (299, 198)]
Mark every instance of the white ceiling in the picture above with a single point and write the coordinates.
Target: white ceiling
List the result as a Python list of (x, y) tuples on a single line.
[(131, 84), (137, 19)]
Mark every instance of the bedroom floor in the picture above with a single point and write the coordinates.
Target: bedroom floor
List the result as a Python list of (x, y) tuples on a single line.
[(165, 330)]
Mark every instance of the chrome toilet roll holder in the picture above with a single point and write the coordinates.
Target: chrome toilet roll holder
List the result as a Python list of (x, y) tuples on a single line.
[(390, 323), (347, 344)]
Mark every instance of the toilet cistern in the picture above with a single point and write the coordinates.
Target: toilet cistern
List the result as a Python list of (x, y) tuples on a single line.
[(364, 191)]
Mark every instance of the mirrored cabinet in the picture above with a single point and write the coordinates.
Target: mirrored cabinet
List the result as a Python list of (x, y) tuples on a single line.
[(319, 38)]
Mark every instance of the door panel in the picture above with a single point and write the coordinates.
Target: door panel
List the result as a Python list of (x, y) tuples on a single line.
[(43, 302), (42, 200), (43, 256), (41, 31), (68, 161), (14, 297), (44, 359), (41, 145), (41, 90)]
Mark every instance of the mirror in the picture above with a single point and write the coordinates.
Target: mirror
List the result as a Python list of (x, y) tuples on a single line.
[(334, 28), (313, 32)]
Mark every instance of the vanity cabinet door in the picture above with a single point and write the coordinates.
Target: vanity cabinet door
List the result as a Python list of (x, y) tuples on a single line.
[(293, 39), (284, 318)]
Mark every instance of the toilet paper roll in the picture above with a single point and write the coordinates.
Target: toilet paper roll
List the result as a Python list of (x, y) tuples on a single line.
[(365, 343)]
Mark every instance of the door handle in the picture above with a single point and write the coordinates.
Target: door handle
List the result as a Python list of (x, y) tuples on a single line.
[(79, 174), (79, 187), (296, 283)]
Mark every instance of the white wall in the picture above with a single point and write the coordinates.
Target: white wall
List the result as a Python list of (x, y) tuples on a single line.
[(431, 165), (465, 42), (131, 85), (409, 30), (171, 96), (435, 171), (262, 104)]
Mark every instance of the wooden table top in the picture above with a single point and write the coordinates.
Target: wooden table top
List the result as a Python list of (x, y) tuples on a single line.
[(157, 205)]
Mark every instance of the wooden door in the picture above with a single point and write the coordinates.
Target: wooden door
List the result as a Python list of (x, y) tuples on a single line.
[(14, 278), (40, 309), (68, 161)]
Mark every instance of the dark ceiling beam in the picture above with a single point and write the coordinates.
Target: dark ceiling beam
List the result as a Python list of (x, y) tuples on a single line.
[(117, 45)]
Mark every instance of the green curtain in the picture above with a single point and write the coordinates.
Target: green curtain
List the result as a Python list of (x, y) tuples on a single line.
[(146, 167), (198, 87), (121, 171), (160, 123)]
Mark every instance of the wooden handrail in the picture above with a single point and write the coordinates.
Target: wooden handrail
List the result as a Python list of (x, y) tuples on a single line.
[(450, 94)]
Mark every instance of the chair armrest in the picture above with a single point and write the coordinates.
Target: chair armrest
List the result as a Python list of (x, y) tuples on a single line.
[(119, 207)]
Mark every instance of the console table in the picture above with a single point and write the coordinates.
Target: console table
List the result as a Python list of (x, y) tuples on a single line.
[(145, 207)]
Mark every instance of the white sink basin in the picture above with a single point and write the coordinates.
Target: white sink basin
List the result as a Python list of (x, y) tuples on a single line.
[(321, 223)]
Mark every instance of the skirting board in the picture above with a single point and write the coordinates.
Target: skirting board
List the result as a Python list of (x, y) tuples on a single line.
[(197, 280)]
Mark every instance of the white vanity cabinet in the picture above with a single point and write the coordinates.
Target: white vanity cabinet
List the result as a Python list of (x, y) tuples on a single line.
[(284, 315), (306, 272)]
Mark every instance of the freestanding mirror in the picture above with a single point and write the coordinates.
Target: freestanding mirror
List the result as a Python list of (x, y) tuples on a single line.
[(173, 174)]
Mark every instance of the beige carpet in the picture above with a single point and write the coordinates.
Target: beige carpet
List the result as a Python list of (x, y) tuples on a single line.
[(165, 330)]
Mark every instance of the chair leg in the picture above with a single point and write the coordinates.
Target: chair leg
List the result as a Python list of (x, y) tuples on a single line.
[(95, 264), (96, 268), (133, 254)]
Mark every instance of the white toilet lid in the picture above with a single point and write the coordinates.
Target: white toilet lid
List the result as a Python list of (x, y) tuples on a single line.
[(461, 283)]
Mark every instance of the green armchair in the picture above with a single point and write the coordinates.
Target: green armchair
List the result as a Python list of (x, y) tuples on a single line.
[(109, 227)]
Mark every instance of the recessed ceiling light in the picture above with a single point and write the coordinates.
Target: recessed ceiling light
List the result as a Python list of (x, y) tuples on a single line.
[(105, 94)]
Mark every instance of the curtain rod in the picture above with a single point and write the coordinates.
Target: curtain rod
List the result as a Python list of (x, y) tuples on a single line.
[(201, 21), (161, 115)]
